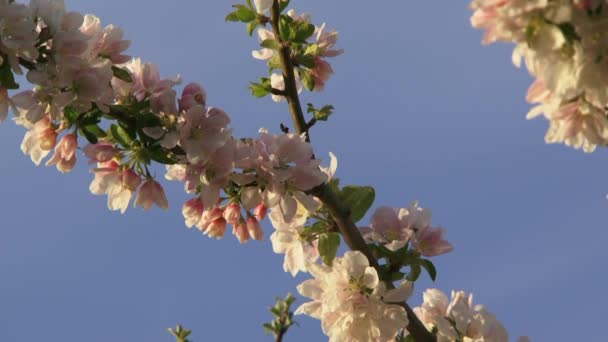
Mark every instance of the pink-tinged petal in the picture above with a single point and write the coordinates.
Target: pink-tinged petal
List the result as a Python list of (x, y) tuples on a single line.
[(150, 193)]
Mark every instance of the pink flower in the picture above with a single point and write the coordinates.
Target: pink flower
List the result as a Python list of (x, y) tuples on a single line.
[(326, 41), (254, 229), (119, 185), (321, 72), (430, 242), (192, 95), (192, 211), (38, 141), (100, 152), (65, 154), (150, 193)]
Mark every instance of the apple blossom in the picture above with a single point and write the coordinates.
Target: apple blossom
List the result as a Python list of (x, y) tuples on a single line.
[(287, 240), (65, 153), (150, 193), (347, 298), (100, 152), (39, 139)]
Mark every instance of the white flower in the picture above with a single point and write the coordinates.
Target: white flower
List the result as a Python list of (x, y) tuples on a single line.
[(286, 240), (347, 298)]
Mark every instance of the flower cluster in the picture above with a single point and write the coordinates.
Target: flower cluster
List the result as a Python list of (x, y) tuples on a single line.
[(352, 303), (459, 320), (311, 56), (564, 45), (396, 227)]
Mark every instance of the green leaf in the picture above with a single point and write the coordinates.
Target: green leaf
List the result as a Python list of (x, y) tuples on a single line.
[(285, 30), (270, 44), (122, 74), (70, 115), (7, 79), (397, 276), (245, 14), (251, 27), (414, 272), (283, 5), (148, 120), (259, 90), (328, 247), (305, 60), (162, 156), (92, 133), (312, 50), (430, 268), (303, 31), (121, 136), (307, 80), (359, 199), (569, 32), (232, 16)]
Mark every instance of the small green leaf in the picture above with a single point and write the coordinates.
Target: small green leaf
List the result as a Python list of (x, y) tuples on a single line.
[(92, 133), (162, 156), (303, 31), (270, 44), (70, 115), (328, 247), (307, 80), (359, 199), (259, 90), (305, 60), (7, 79), (397, 276), (232, 16), (245, 14), (430, 268), (122, 74), (283, 5), (121, 136), (148, 120), (414, 272), (251, 27)]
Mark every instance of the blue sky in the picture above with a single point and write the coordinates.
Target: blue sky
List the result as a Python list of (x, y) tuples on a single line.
[(423, 111)]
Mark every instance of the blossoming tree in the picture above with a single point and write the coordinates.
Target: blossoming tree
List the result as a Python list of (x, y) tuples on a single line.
[(89, 97)]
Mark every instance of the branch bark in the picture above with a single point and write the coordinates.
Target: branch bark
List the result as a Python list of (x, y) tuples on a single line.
[(338, 210)]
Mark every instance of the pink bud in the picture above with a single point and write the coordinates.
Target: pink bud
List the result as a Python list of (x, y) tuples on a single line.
[(217, 228), (253, 226), (151, 192), (232, 213), (240, 230), (99, 153), (48, 139), (260, 211), (192, 211), (193, 94)]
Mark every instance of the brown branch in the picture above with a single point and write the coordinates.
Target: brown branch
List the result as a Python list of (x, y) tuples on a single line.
[(336, 207)]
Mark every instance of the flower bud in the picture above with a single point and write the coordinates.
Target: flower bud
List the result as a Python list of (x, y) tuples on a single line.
[(48, 139), (216, 228), (192, 211), (240, 230), (260, 211), (254, 229), (232, 213)]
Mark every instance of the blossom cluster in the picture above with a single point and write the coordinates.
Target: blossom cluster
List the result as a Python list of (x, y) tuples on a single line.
[(458, 319), (564, 45), (396, 227), (312, 54)]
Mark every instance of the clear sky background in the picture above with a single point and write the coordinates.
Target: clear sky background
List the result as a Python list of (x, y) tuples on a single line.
[(423, 111)]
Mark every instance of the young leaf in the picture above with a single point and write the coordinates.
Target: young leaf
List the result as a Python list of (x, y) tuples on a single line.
[(414, 272), (259, 90), (307, 80), (121, 136), (7, 79), (359, 199), (122, 74), (328, 247), (430, 268)]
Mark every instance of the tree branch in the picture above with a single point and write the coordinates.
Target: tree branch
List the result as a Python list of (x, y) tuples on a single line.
[(337, 209)]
